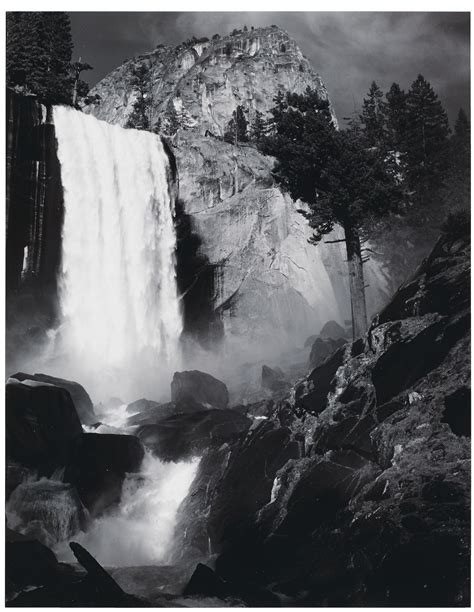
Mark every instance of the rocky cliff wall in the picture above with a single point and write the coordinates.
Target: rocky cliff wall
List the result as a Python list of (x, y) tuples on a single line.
[(34, 213), (359, 479), (34, 205), (204, 82)]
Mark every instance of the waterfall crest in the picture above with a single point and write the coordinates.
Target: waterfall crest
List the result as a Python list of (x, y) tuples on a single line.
[(119, 308)]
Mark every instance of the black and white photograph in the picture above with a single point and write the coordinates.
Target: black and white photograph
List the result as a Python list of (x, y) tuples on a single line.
[(237, 308)]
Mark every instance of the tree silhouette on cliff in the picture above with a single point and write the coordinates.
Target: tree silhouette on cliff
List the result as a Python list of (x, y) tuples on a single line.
[(340, 175)]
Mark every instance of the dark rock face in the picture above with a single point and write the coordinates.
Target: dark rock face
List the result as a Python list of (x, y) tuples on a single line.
[(358, 482), (29, 563), (80, 397), (189, 434), (41, 424), (34, 213), (322, 348), (205, 582), (98, 465), (195, 386)]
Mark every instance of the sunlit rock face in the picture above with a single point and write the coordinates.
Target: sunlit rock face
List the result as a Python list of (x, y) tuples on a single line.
[(268, 283), (206, 81)]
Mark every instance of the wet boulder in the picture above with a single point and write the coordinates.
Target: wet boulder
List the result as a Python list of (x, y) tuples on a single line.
[(42, 424), (144, 412), (28, 562), (80, 397), (322, 348), (196, 386), (248, 480), (98, 466), (187, 434)]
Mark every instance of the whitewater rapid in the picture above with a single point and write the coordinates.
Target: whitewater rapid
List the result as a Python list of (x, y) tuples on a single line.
[(120, 319)]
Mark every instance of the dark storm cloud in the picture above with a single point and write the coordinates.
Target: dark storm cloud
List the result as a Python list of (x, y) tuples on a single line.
[(349, 50)]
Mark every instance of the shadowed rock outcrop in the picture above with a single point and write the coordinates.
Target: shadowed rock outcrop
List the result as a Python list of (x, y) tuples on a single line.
[(80, 397), (372, 507)]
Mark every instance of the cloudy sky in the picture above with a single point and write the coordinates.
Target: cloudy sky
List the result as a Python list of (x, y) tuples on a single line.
[(349, 50)]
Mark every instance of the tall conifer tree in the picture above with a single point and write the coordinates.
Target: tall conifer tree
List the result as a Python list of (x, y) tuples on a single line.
[(373, 116), (426, 141)]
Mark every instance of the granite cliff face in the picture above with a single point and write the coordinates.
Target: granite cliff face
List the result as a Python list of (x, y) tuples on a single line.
[(205, 81), (259, 272)]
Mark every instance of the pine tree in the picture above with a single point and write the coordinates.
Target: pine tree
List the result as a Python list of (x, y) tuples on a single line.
[(258, 128), (373, 116), (80, 88), (237, 128), (457, 193), (140, 115), (396, 117), (426, 141), (343, 181), (172, 121), (39, 51)]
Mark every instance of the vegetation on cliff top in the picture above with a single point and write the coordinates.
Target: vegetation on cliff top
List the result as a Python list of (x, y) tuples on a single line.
[(39, 57)]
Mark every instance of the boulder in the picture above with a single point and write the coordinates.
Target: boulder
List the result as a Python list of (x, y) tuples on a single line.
[(273, 379), (310, 340), (206, 582), (28, 562), (248, 480), (332, 330), (189, 434), (41, 424), (322, 348), (195, 386), (311, 394), (80, 397), (98, 466), (147, 412)]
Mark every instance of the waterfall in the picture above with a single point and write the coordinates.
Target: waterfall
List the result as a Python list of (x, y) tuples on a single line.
[(119, 309)]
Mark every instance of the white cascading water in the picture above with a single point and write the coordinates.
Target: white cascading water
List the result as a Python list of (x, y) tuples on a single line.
[(140, 530), (120, 314)]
